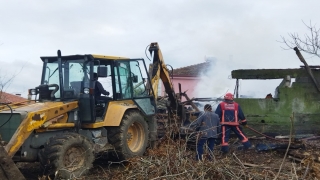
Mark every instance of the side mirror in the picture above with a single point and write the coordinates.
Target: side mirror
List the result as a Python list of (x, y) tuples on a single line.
[(135, 78), (102, 71)]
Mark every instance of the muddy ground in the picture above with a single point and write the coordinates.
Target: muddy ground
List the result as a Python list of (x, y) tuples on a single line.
[(176, 160)]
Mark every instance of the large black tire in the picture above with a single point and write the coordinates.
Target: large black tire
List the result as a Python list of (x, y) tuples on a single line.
[(68, 155), (131, 137)]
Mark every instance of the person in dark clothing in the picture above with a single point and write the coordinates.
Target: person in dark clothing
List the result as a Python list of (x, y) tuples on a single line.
[(231, 116), (269, 96), (98, 90), (207, 126)]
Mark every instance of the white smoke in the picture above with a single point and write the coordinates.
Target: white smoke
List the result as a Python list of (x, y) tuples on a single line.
[(217, 81)]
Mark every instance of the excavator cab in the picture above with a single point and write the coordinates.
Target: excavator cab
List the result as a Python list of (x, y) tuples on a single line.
[(67, 78)]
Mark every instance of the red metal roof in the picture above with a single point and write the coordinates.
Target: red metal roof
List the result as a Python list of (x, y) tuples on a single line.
[(193, 70), (7, 98)]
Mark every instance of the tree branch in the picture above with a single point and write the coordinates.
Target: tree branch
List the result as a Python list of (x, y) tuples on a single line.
[(308, 44)]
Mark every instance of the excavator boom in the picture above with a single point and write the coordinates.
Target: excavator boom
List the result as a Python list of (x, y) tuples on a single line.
[(159, 71), (176, 109)]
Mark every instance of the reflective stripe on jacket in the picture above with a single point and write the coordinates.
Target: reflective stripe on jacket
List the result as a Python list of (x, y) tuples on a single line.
[(230, 113)]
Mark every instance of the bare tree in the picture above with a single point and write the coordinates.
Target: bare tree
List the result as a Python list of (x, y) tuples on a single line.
[(308, 43), (5, 81)]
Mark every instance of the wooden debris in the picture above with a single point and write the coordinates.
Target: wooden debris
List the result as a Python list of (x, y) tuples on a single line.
[(251, 165), (295, 136), (257, 138), (310, 138), (294, 158), (304, 155)]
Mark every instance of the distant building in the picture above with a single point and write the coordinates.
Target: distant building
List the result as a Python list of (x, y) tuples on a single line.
[(6, 98), (188, 77)]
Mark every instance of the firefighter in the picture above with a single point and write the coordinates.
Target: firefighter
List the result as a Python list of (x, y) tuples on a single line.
[(231, 117)]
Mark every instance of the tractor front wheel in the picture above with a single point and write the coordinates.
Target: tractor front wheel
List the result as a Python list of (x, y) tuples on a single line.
[(68, 155)]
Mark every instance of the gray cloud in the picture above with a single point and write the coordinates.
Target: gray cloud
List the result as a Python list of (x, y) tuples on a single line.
[(187, 31)]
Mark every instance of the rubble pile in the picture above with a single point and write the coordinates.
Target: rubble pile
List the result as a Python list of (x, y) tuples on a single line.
[(173, 159)]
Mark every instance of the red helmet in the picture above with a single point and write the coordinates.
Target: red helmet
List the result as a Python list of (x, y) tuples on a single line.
[(228, 96)]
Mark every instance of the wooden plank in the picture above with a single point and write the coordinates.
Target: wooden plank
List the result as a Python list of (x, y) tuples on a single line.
[(271, 73), (295, 159), (295, 136), (307, 68)]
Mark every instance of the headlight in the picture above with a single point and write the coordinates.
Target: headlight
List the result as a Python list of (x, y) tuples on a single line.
[(86, 90), (32, 91)]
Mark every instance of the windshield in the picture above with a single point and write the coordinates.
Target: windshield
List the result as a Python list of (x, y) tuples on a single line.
[(130, 82), (139, 85)]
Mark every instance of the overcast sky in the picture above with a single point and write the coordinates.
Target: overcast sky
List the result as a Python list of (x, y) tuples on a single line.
[(239, 34)]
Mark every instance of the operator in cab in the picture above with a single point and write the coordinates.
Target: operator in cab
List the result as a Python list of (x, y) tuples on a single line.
[(98, 90)]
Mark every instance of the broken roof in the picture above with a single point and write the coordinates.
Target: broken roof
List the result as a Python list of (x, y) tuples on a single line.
[(6, 98), (193, 70)]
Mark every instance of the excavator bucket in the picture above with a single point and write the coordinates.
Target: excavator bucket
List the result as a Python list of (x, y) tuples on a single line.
[(8, 169)]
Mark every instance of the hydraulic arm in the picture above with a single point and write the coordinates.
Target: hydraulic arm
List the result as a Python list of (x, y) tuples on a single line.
[(159, 71)]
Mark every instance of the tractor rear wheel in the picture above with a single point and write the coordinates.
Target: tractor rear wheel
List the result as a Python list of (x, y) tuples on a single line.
[(131, 137), (68, 155)]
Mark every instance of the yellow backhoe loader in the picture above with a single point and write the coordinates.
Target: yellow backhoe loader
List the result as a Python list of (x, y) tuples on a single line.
[(65, 124)]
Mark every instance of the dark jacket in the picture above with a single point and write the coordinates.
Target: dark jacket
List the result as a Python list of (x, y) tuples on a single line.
[(99, 89), (208, 123)]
